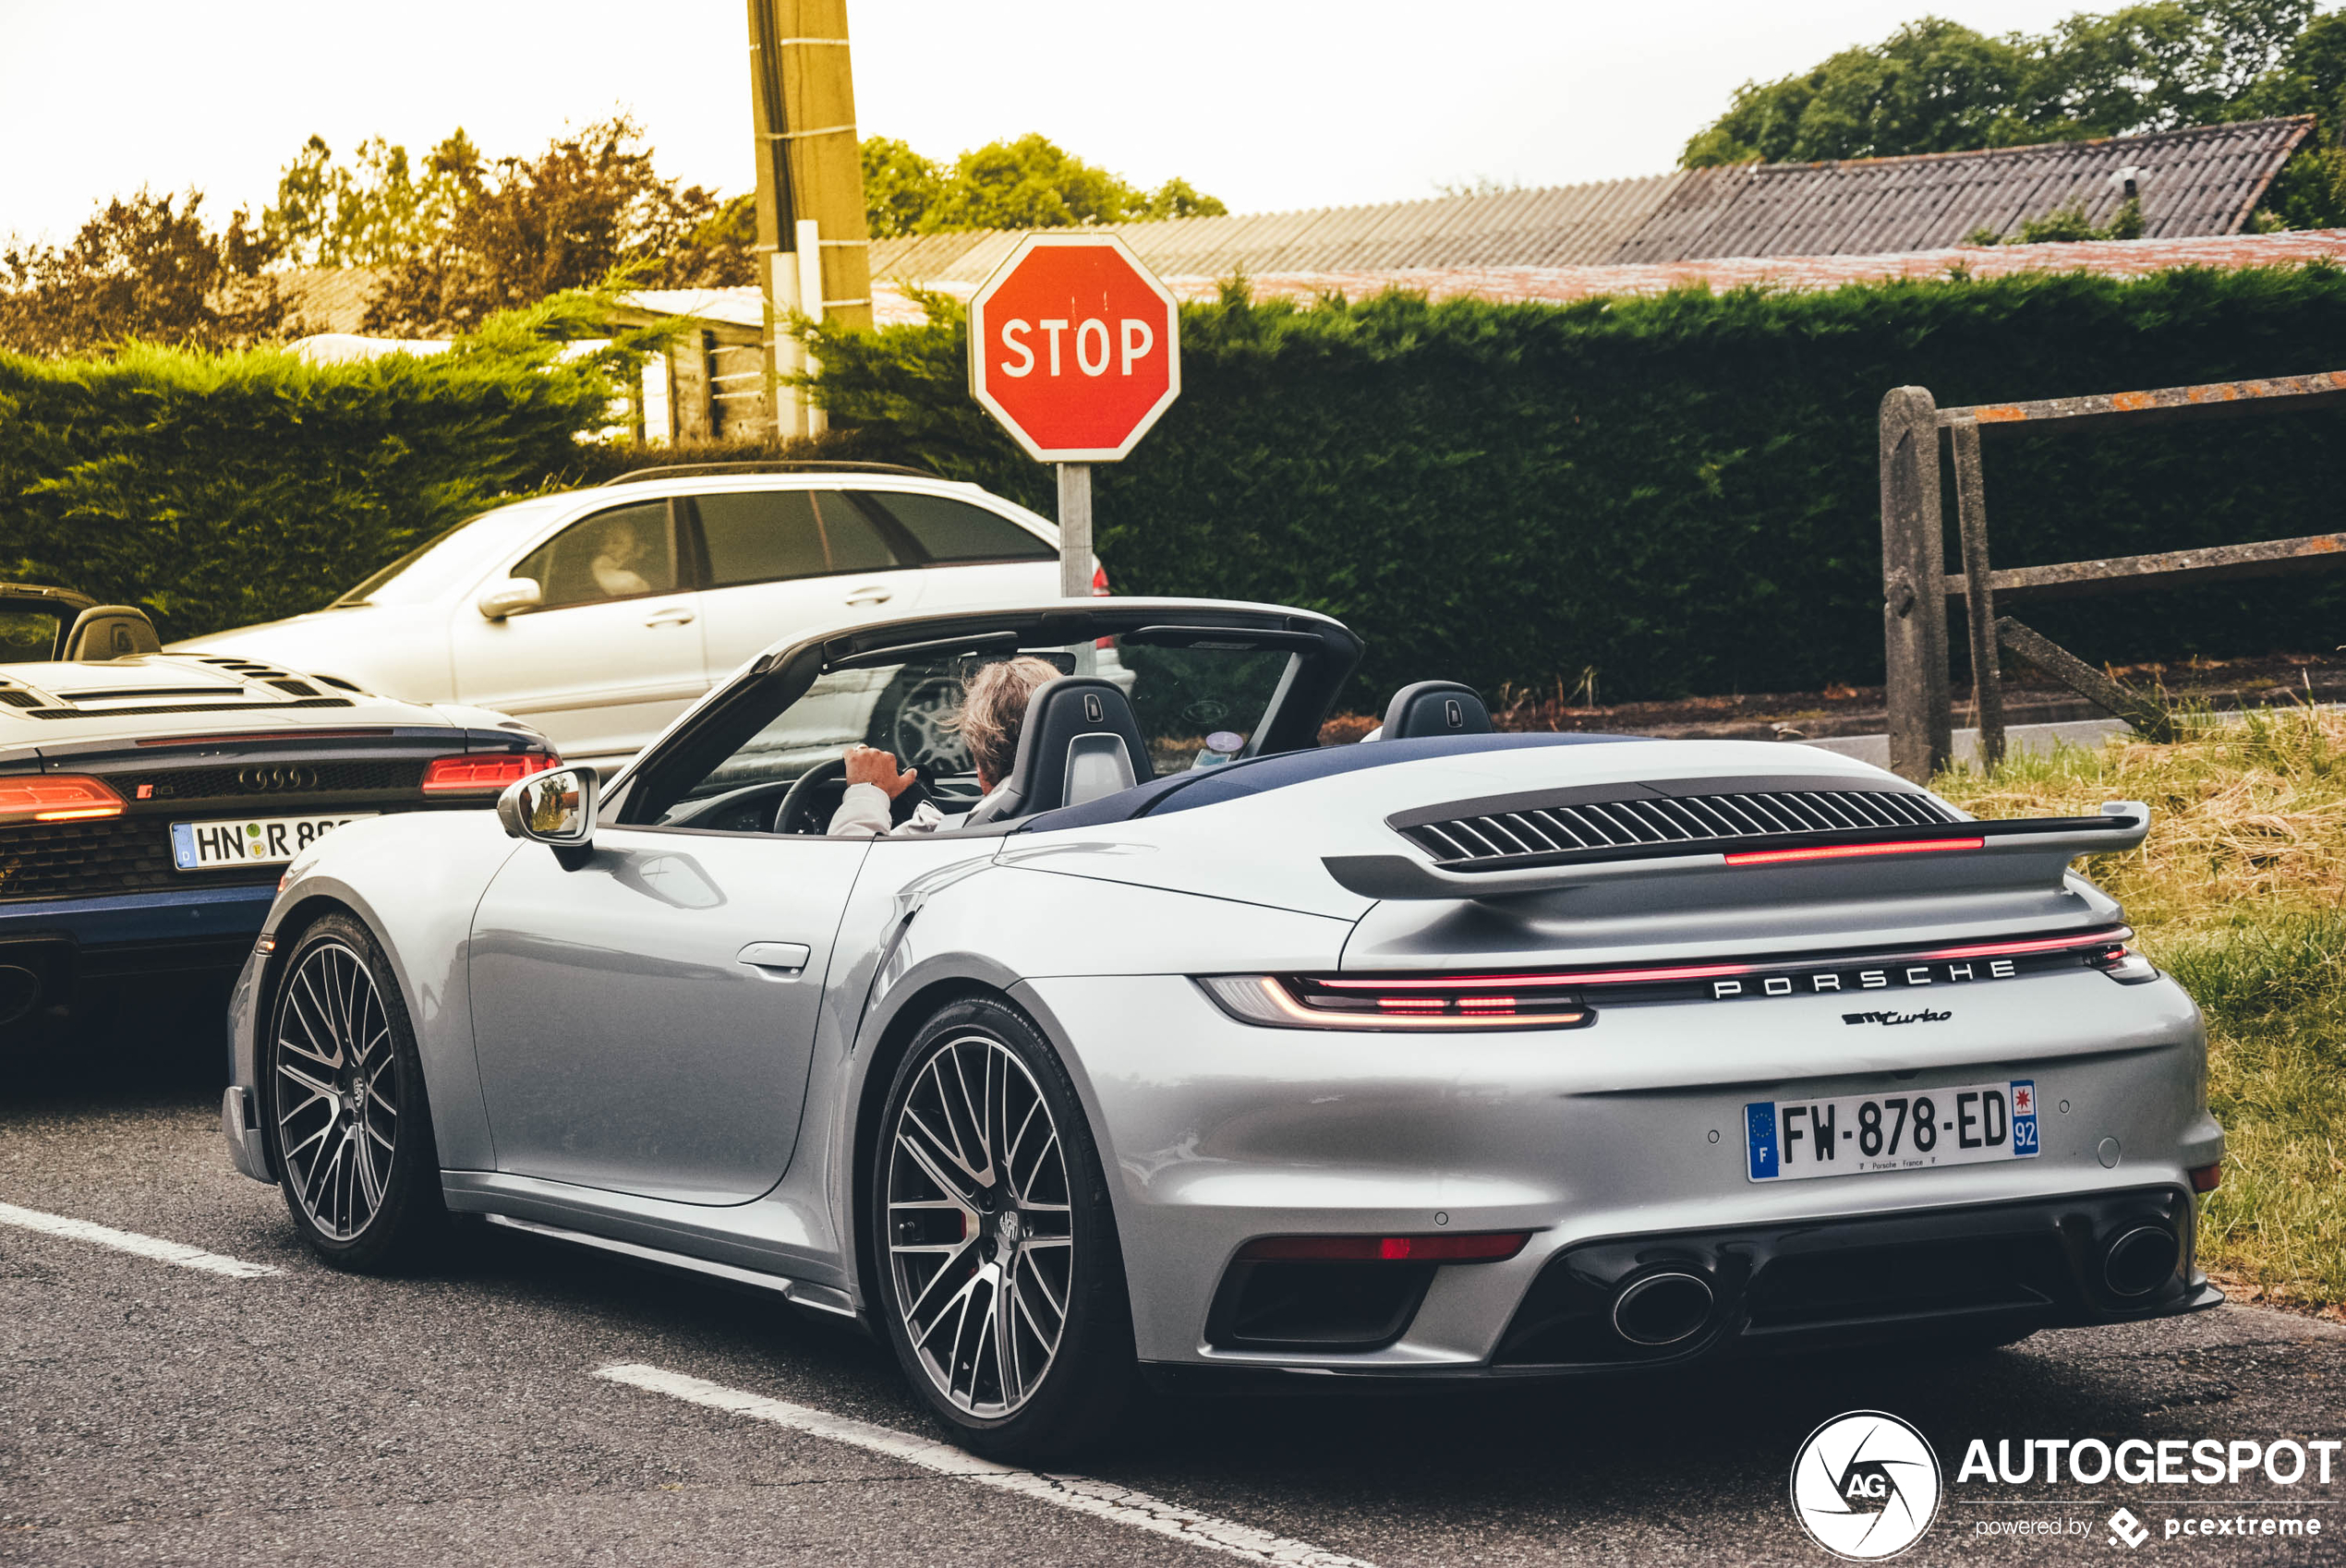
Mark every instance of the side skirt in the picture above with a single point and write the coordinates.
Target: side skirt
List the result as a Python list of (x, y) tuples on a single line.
[(798, 1293)]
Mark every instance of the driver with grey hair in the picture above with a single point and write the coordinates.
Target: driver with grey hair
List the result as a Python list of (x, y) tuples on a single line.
[(992, 713)]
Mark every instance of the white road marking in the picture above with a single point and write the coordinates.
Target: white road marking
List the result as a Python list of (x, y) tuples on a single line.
[(1101, 1498), (130, 1241)]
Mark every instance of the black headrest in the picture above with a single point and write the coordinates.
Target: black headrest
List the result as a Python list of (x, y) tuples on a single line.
[(1079, 742), (111, 631), (1434, 708)]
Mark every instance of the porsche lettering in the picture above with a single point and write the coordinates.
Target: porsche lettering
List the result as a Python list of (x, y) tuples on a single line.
[(1827, 982)]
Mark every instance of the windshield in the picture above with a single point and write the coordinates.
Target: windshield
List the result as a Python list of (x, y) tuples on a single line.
[(1197, 707), (446, 560)]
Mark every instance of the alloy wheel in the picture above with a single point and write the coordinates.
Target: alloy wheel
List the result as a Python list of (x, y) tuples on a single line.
[(337, 1090), (924, 733), (980, 1229)]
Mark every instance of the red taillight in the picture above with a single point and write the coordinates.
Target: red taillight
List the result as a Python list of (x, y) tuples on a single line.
[(484, 774), (1099, 580), (2205, 1177), (1486, 1247), (1306, 1002), (1852, 851), (56, 798)]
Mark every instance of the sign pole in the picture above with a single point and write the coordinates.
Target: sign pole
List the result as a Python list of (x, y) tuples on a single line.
[(1075, 530)]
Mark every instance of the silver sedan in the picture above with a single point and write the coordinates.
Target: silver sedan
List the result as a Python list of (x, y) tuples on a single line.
[(1196, 1053)]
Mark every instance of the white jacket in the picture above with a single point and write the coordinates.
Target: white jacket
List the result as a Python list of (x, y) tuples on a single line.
[(864, 814)]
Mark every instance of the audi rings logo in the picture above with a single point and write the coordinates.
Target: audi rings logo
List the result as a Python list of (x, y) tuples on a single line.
[(1864, 1486), (258, 781)]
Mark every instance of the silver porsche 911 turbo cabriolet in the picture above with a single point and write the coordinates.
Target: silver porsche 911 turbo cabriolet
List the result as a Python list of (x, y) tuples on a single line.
[(1194, 1051)]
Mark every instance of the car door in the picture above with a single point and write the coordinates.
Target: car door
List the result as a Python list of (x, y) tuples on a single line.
[(612, 651), (970, 554), (784, 562), (644, 1022)]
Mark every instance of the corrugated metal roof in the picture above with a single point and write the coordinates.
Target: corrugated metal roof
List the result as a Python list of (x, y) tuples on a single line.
[(2117, 259), (2191, 182), (1565, 225), (330, 299)]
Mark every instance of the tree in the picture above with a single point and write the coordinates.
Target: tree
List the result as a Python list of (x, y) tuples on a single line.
[(591, 207), (1937, 86), (1031, 183), (900, 186), (144, 268), (376, 214)]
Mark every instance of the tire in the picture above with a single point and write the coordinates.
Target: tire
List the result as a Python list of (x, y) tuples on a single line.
[(357, 1165), (975, 1259)]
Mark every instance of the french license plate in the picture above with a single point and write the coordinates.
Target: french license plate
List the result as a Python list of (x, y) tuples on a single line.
[(264, 841), (1910, 1130)]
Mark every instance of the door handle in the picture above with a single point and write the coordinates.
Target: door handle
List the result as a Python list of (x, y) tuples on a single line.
[(872, 594), (777, 960), (673, 616)]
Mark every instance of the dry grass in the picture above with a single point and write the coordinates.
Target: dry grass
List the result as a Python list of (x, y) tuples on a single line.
[(2240, 892)]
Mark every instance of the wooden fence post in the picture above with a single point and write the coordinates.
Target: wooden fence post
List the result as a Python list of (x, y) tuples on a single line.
[(1980, 596), (1914, 610)]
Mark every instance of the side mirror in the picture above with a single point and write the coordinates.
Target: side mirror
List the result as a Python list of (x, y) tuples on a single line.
[(555, 807), (510, 597)]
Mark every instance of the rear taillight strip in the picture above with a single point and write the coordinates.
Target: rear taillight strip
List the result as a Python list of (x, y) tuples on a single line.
[(1669, 973)]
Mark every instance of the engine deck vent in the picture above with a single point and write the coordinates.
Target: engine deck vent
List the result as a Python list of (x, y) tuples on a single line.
[(1605, 822)]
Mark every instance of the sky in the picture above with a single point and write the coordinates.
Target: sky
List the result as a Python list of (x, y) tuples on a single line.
[(1269, 104)]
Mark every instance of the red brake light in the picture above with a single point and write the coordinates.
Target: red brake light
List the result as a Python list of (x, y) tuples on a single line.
[(1099, 580), (2205, 1177), (56, 798), (1486, 1247), (1850, 851), (484, 774), (1306, 1002)]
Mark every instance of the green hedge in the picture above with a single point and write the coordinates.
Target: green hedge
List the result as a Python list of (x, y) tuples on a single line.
[(1679, 492), (219, 489)]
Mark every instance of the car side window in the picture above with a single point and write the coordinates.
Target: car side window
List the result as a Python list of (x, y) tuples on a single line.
[(954, 533), (29, 635), (623, 553), (772, 536)]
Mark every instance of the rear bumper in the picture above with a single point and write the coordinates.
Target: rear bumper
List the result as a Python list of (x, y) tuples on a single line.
[(57, 954), (161, 927), (1974, 1274), (1628, 1134)]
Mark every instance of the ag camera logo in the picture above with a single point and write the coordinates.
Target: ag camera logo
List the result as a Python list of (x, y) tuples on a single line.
[(1864, 1486)]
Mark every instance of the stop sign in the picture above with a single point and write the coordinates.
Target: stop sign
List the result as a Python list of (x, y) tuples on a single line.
[(1074, 347)]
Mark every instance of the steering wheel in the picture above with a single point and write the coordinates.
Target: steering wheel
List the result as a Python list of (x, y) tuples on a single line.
[(799, 803)]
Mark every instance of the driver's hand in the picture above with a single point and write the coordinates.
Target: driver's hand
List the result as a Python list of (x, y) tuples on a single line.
[(868, 765)]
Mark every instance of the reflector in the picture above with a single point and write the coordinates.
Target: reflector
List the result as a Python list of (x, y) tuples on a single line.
[(1483, 1247)]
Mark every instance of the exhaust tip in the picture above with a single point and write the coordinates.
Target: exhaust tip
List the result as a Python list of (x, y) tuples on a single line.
[(2140, 1261), (1662, 1309)]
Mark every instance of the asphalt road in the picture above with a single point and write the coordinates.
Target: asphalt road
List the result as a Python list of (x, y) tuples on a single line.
[(157, 1413)]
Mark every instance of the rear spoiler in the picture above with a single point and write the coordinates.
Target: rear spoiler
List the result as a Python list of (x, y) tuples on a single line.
[(2053, 841)]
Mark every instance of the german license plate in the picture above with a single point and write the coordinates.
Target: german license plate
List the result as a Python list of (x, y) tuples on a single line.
[(263, 840), (1969, 1124)]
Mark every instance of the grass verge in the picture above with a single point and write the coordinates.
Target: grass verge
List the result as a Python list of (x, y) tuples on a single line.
[(2240, 893)]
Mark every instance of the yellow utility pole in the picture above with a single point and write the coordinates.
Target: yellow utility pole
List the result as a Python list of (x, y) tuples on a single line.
[(813, 248)]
